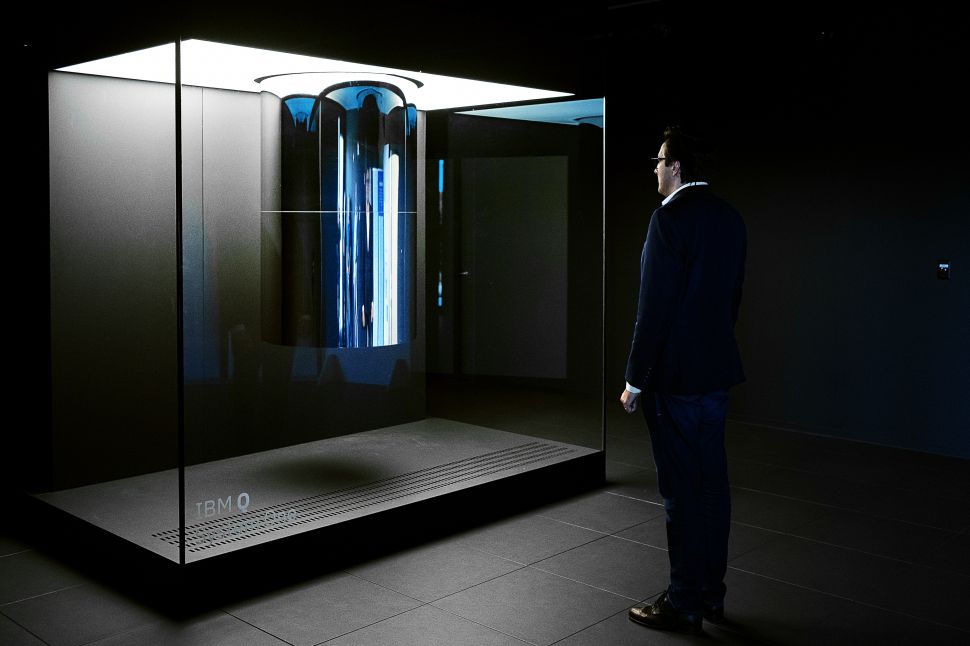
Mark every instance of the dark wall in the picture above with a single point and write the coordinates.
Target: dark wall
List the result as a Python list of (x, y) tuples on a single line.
[(842, 138), (842, 142)]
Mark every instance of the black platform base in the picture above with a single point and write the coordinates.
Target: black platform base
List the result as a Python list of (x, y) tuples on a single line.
[(478, 490)]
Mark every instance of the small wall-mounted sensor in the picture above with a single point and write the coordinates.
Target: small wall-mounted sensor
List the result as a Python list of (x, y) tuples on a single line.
[(943, 270)]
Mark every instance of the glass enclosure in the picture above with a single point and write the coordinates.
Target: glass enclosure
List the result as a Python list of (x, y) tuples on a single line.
[(295, 292)]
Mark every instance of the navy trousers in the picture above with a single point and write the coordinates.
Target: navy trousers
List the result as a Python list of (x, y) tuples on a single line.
[(687, 434)]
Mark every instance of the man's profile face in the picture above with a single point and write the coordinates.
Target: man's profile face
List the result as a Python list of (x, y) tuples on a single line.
[(664, 173)]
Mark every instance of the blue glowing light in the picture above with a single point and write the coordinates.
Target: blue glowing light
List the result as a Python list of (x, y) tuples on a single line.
[(301, 110)]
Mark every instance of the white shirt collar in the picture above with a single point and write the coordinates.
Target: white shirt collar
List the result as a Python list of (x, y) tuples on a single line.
[(680, 188)]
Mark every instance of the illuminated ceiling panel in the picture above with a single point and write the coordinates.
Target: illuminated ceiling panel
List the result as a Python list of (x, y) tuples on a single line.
[(232, 67), (566, 112)]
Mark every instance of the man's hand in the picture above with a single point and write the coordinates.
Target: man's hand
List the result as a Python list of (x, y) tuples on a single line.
[(629, 400)]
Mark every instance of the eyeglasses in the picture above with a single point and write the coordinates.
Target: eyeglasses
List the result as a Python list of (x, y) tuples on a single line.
[(657, 160)]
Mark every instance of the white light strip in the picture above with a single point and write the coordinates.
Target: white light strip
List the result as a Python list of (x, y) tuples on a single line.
[(152, 64), (314, 83), (232, 67), (565, 112)]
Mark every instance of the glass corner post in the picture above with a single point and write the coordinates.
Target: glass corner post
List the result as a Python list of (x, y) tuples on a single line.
[(179, 303)]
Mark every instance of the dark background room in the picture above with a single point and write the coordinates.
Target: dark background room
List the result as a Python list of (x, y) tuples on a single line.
[(840, 134)]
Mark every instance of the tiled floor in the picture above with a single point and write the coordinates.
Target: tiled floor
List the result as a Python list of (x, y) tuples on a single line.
[(832, 542)]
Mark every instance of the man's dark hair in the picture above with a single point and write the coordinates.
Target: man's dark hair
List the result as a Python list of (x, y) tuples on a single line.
[(691, 152)]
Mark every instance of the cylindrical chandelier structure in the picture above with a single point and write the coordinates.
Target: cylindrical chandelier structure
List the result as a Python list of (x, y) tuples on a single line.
[(338, 209)]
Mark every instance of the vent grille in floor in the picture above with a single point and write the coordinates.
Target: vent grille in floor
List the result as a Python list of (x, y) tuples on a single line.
[(267, 520)]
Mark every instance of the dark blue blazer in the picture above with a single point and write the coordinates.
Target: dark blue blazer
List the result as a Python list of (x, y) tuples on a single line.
[(691, 273)]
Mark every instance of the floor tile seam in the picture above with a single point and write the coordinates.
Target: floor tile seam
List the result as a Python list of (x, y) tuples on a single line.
[(373, 623), (738, 454), (846, 509), (829, 476), (566, 522), (252, 625), (876, 555), (622, 538), (635, 469), (24, 628), (628, 464), (484, 551), (156, 620), (851, 453), (731, 559), (795, 448), (633, 540), (161, 622), (627, 438), (849, 599), (596, 623), (478, 623), (733, 522), (126, 631), (623, 495), (475, 585), (600, 531), (421, 602), (772, 540), (424, 603), (908, 454), (759, 527), (773, 531), (585, 542), (43, 594), (951, 532), (794, 498), (588, 585), (23, 551), (790, 534), (819, 436), (466, 544), (573, 633), (639, 472)]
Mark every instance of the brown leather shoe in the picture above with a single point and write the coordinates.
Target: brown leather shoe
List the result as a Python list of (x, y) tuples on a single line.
[(663, 616)]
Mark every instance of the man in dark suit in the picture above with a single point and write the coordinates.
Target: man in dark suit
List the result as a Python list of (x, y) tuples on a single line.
[(683, 359)]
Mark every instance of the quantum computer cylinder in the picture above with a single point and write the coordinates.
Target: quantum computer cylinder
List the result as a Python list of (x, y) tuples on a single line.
[(338, 209)]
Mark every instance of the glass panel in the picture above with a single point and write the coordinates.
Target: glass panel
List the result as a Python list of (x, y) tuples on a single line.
[(289, 217), (112, 455), (301, 319), (515, 260)]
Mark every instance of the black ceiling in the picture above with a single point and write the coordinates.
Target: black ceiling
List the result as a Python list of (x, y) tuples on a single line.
[(549, 45), (820, 62)]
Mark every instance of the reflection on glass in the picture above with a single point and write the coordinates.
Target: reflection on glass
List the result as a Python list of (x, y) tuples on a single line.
[(338, 211)]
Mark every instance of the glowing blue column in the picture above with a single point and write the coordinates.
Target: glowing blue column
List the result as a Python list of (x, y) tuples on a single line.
[(358, 138)]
